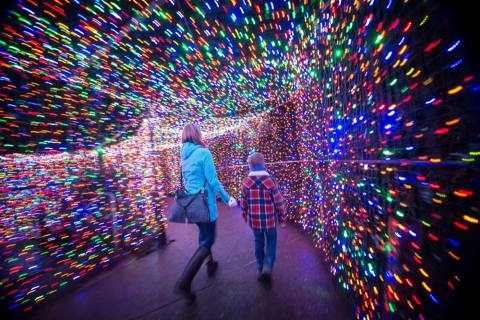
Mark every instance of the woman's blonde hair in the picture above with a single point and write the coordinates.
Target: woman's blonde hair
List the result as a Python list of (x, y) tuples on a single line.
[(192, 133)]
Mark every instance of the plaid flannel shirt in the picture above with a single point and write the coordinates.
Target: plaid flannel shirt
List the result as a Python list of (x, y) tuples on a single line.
[(261, 202)]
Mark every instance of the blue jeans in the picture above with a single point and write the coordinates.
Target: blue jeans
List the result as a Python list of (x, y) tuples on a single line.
[(206, 235), (271, 237)]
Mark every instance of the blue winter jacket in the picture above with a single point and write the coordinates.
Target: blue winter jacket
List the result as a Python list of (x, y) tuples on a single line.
[(197, 166)]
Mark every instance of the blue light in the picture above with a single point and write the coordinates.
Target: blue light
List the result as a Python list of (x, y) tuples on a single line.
[(454, 46), (456, 64), (434, 299), (454, 242)]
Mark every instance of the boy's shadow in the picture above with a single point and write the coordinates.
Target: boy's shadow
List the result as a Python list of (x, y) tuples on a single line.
[(266, 284)]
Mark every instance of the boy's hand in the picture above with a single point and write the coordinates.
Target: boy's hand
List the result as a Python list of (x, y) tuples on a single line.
[(232, 202)]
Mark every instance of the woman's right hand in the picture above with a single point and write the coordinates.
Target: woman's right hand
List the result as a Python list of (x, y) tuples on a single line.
[(232, 202)]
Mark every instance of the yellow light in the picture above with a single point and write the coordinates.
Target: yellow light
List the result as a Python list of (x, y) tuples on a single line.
[(428, 81), (425, 274), (410, 304), (452, 122), (470, 219), (398, 278), (426, 287), (454, 256), (455, 90)]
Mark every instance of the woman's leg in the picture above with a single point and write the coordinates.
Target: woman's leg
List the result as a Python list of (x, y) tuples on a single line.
[(206, 239), (206, 236)]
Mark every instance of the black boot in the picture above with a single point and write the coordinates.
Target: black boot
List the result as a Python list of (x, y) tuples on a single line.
[(184, 283), (212, 265)]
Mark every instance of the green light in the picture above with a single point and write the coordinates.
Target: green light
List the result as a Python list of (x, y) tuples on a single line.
[(392, 83), (425, 223), (387, 152), (338, 53), (424, 20), (390, 306)]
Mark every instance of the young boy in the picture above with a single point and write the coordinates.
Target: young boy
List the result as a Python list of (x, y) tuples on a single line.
[(262, 204)]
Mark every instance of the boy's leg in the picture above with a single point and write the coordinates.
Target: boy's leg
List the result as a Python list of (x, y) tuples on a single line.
[(271, 247), (259, 248)]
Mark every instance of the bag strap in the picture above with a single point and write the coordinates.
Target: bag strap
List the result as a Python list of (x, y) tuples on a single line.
[(189, 203), (181, 181), (181, 175)]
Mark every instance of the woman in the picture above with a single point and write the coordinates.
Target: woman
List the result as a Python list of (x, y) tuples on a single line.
[(198, 171)]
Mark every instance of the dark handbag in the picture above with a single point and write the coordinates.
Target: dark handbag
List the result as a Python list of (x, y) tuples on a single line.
[(190, 208)]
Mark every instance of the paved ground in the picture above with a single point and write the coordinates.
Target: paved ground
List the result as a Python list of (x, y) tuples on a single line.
[(142, 288)]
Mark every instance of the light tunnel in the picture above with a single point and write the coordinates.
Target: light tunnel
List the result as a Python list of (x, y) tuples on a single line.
[(367, 113)]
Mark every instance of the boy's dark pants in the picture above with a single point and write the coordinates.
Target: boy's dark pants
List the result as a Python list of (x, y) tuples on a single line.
[(270, 237)]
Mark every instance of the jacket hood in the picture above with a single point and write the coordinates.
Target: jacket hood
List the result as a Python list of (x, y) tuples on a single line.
[(188, 148)]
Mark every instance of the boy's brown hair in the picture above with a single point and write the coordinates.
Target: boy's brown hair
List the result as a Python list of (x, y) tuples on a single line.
[(256, 159)]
